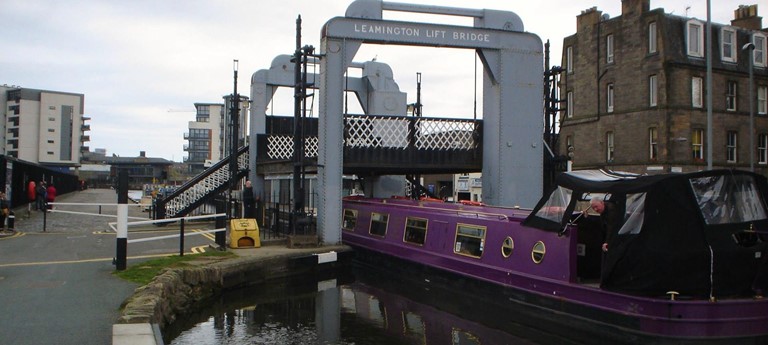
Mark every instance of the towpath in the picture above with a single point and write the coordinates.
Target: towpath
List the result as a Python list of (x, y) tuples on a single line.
[(57, 286)]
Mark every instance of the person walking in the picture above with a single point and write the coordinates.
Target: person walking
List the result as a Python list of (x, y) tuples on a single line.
[(50, 194), (5, 210), (31, 193), (40, 197)]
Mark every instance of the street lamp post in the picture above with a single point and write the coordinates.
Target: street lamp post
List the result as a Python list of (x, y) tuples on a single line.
[(708, 54), (234, 116), (750, 47)]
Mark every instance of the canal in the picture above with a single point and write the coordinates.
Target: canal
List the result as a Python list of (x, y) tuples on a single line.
[(356, 306)]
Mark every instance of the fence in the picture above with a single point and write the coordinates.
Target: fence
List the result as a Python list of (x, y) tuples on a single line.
[(182, 232)]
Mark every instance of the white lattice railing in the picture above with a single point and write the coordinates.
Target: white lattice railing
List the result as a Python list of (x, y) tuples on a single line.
[(204, 187), (281, 147), (388, 132)]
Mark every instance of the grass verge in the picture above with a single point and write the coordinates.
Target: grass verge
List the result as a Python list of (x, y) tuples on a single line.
[(142, 273)]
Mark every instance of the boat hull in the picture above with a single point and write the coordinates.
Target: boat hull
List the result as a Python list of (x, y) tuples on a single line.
[(543, 291), (538, 316)]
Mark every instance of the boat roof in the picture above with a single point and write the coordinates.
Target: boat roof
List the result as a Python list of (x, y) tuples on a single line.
[(606, 181)]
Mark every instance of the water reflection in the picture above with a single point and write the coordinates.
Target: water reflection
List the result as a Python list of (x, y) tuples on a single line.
[(345, 309)]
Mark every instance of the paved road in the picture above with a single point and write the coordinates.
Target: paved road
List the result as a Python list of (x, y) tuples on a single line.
[(57, 287)]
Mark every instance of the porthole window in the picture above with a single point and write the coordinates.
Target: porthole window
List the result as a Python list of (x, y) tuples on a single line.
[(538, 252), (507, 246)]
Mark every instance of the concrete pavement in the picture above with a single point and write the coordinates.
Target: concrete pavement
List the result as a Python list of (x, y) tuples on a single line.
[(57, 285)]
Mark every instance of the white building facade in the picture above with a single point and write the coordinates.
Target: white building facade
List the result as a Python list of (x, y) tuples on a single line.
[(209, 135), (204, 143), (44, 127)]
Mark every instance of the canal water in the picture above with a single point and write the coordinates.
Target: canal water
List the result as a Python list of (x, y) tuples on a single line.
[(353, 307)]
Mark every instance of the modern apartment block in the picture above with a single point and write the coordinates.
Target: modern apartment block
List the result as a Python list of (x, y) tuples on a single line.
[(635, 91), (208, 136), (42, 126)]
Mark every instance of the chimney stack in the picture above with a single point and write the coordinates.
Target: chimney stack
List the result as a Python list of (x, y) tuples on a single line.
[(746, 17), (587, 19), (634, 7)]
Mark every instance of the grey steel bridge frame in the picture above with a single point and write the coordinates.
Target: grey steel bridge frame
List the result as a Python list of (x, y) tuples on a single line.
[(512, 96)]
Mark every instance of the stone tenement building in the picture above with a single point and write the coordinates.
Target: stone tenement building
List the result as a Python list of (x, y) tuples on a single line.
[(635, 90)]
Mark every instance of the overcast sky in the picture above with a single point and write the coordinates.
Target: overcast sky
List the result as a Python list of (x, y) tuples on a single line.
[(142, 64)]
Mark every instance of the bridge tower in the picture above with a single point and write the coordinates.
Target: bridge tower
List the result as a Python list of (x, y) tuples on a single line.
[(512, 96)]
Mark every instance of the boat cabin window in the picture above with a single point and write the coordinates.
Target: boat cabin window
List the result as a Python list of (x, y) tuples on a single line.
[(415, 230), (558, 201), (379, 224), (350, 220), (585, 201), (470, 240), (728, 199)]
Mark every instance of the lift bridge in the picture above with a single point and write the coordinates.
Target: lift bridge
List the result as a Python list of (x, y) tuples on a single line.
[(373, 145), (385, 142), (393, 144)]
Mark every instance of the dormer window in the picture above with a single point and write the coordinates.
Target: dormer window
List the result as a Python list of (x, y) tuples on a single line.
[(728, 44), (759, 55), (695, 38)]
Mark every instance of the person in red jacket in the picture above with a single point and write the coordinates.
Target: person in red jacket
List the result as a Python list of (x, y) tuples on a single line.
[(31, 193), (50, 194)]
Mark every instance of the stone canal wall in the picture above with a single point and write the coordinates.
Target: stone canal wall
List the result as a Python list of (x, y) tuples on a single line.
[(177, 291)]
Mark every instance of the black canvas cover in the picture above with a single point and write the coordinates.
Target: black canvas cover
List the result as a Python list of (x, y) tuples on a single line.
[(700, 234)]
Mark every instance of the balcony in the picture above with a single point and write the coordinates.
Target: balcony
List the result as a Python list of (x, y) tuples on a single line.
[(85, 138), (84, 148), (85, 128)]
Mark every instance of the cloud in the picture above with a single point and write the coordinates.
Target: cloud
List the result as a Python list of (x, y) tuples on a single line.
[(134, 60)]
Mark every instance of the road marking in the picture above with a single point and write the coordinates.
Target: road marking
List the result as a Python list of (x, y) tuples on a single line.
[(15, 235), (206, 235), (21, 264), (47, 233), (199, 249)]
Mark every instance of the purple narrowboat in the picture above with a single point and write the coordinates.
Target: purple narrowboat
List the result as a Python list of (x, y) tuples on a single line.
[(684, 257)]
